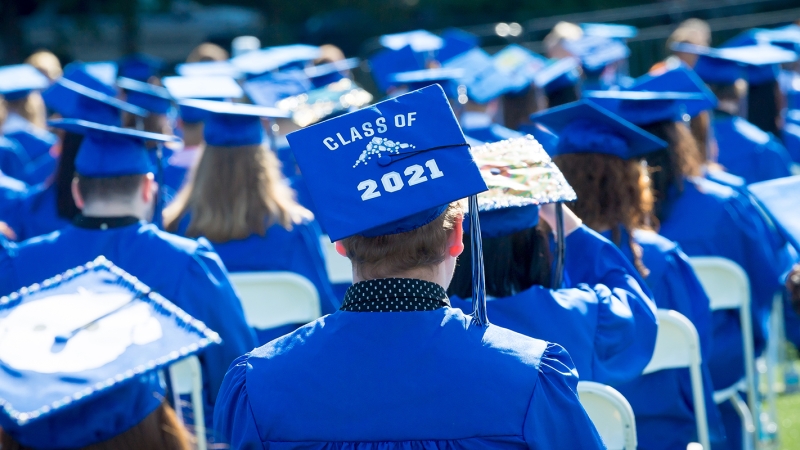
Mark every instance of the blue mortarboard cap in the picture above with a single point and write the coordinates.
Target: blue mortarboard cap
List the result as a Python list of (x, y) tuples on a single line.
[(787, 37), (77, 101), (388, 62), (609, 30), (272, 87), (140, 66), (557, 75), (755, 63), (325, 74), (455, 42), (447, 77), (233, 124), (105, 71), (419, 41), (386, 169), (520, 177), (480, 126), (274, 58), (208, 68), (207, 87), (81, 355), (597, 52), (19, 80), (520, 63), (155, 99), (646, 107), (94, 76), (109, 151), (584, 127), (779, 198), (677, 79)]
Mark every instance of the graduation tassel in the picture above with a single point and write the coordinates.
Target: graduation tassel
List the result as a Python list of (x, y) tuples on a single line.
[(478, 277), (558, 274)]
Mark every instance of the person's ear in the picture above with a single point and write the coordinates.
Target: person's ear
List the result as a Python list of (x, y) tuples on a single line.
[(149, 188), (455, 243), (76, 193), (340, 249)]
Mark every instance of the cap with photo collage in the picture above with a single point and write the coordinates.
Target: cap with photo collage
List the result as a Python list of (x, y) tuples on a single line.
[(76, 101), (110, 151), (229, 124), (81, 354), (584, 127), (390, 168), (19, 80), (154, 99), (754, 63)]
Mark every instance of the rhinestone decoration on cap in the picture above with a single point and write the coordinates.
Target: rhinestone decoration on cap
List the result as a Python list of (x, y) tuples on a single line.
[(519, 172)]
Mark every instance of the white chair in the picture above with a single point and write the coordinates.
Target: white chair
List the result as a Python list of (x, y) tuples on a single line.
[(187, 379), (678, 346), (272, 299), (338, 267), (611, 414), (728, 287)]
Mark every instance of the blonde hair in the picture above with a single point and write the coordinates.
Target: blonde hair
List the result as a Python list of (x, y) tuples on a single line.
[(235, 192), (207, 52), (31, 108), (47, 63)]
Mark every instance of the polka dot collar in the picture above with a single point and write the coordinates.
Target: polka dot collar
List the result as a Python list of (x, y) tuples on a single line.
[(394, 295)]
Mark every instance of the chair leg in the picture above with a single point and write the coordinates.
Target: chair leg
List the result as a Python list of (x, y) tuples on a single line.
[(748, 426)]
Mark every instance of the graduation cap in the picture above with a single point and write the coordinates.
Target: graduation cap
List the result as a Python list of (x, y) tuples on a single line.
[(390, 168), (109, 151), (646, 107), (479, 126), (584, 127), (447, 77), (388, 62), (211, 87), (76, 101), (19, 80), (779, 199), (325, 74), (754, 63), (325, 102), (419, 41), (98, 76), (233, 124), (270, 88), (208, 68), (609, 30), (139, 66), (455, 42), (81, 353), (558, 74), (154, 99), (511, 71), (597, 52), (678, 79), (275, 58)]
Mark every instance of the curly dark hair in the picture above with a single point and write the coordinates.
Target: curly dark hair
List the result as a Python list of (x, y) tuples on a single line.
[(612, 192)]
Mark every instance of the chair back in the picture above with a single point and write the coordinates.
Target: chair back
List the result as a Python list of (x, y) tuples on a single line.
[(611, 414), (724, 281), (338, 267), (272, 299), (678, 346), (186, 378)]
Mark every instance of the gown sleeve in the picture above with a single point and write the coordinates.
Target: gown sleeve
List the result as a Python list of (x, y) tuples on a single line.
[(205, 286), (555, 417), (626, 329), (308, 260), (233, 418)]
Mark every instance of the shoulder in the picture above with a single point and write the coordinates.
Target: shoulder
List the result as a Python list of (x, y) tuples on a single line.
[(168, 240), (9, 144), (712, 189), (654, 241), (750, 131)]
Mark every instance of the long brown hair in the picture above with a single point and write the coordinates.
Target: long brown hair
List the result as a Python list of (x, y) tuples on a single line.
[(612, 192), (160, 430), (233, 193)]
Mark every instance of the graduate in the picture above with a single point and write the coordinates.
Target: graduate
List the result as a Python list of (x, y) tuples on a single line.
[(744, 149), (411, 362), (606, 320), (50, 206), (239, 201), (86, 376), (598, 154), (20, 86), (115, 191), (706, 219)]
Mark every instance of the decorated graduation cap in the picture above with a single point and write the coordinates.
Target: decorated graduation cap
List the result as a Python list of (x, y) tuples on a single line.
[(19, 80), (584, 127), (275, 58), (520, 177), (390, 168), (557, 75), (510, 70), (646, 107), (754, 63), (81, 353), (139, 66), (325, 102), (609, 30), (154, 99), (447, 77), (233, 124), (76, 101), (109, 151), (779, 199)]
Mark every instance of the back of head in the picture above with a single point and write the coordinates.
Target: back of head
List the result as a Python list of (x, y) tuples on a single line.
[(517, 108), (235, 192), (207, 52), (31, 108), (692, 31), (561, 32), (329, 53), (47, 63)]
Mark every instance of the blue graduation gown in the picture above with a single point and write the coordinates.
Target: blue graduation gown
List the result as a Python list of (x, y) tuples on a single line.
[(747, 151), (607, 321), (36, 213), (791, 139), (11, 191), (184, 271), (13, 159), (403, 380), (297, 250), (662, 401), (39, 162)]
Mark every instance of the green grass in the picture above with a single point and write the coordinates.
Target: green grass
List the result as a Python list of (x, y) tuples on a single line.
[(789, 421)]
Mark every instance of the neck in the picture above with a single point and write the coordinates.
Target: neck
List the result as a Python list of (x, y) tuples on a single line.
[(436, 274), (192, 136), (729, 106), (111, 209)]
